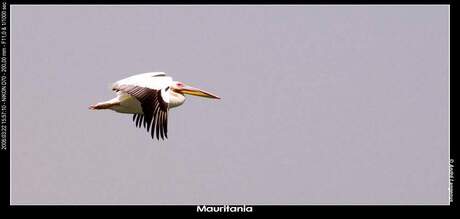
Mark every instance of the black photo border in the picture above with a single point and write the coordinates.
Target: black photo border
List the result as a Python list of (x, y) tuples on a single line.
[(169, 210)]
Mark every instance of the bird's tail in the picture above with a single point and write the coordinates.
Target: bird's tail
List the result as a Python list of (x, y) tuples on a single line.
[(104, 105)]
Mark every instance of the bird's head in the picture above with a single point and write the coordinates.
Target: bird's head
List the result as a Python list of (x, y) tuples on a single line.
[(183, 88)]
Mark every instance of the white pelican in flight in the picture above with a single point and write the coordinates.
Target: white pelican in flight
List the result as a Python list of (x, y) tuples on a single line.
[(149, 96)]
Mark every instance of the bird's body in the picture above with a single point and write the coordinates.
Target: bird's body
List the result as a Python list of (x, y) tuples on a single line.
[(149, 96), (153, 80)]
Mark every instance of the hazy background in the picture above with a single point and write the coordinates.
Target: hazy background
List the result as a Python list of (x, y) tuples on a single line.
[(321, 105)]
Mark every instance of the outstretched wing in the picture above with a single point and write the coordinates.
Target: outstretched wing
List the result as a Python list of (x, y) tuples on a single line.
[(154, 107), (152, 80)]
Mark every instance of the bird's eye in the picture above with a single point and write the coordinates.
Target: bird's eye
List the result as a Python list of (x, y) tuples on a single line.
[(180, 84)]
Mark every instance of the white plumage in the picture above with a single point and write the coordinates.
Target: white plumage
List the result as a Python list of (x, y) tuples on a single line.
[(152, 80)]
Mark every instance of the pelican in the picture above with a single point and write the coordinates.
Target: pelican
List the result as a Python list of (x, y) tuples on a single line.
[(149, 96)]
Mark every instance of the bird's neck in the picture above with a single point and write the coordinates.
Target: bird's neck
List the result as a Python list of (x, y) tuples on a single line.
[(175, 99)]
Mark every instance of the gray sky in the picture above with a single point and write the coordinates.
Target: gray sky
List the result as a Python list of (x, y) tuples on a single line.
[(320, 105)]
